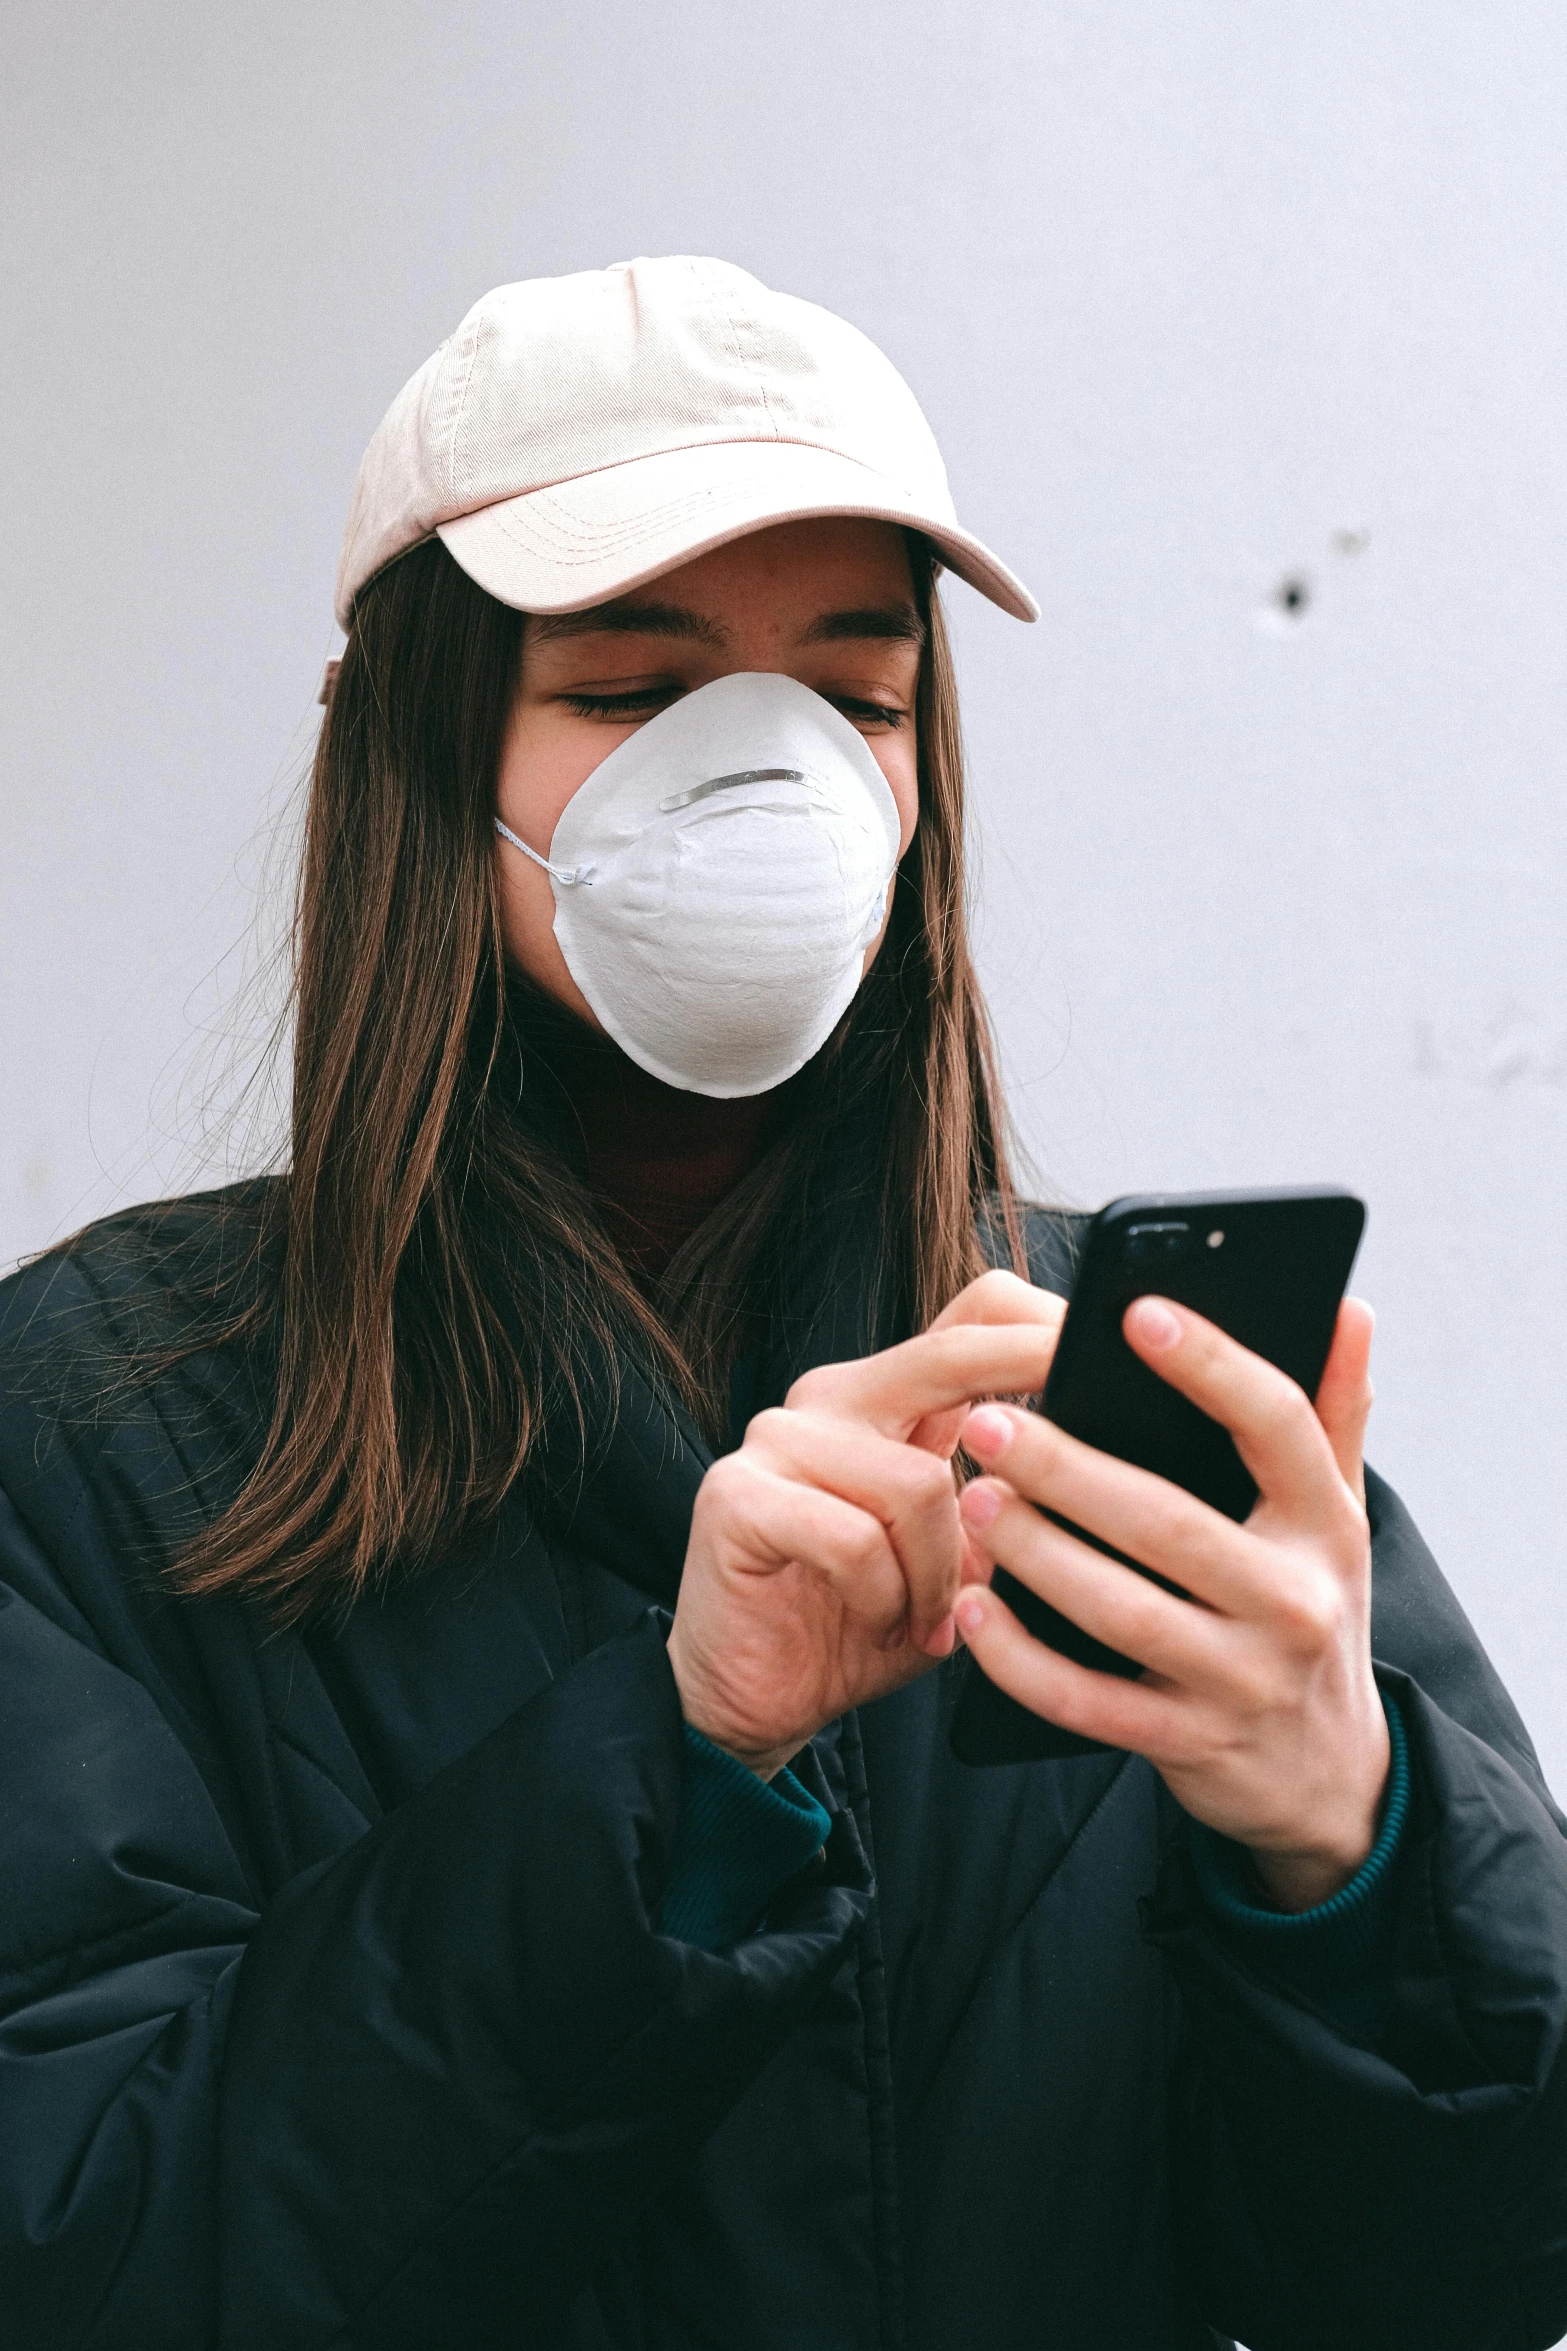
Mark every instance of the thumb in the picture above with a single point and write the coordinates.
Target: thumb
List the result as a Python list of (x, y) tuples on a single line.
[(1345, 1393)]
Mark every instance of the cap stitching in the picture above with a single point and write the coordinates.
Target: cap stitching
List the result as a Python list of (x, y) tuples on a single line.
[(565, 531), (708, 490), (553, 539), (745, 324), (462, 403), (742, 325), (681, 448), (721, 311), (559, 536), (725, 441)]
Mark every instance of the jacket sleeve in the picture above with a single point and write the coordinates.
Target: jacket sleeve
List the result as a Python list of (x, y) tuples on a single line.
[(1406, 2186), (417, 2096)]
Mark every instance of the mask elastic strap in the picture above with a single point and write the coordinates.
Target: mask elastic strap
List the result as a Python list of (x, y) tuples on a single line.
[(567, 875)]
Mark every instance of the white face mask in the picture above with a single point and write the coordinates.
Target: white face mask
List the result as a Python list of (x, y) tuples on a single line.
[(718, 879)]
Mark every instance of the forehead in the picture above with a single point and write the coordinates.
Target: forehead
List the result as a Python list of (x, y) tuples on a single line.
[(798, 575)]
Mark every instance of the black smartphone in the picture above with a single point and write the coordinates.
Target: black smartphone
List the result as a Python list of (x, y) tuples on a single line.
[(1270, 1269)]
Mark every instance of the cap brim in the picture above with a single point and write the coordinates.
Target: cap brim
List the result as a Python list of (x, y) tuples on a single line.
[(580, 542)]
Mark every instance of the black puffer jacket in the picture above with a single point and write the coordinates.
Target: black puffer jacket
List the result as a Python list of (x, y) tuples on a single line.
[(333, 2012)]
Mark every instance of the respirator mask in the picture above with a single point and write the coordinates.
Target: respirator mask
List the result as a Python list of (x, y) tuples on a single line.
[(718, 879)]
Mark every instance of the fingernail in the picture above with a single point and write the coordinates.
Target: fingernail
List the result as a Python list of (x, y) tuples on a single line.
[(1154, 1324), (987, 1432), (970, 1615), (979, 1505), (943, 1640)]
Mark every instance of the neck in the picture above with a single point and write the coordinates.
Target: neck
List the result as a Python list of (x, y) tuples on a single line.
[(657, 1160)]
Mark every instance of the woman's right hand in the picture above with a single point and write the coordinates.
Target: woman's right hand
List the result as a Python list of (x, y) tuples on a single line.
[(827, 1551)]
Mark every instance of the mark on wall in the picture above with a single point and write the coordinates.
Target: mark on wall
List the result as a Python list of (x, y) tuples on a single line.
[(1294, 593), (1506, 1047)]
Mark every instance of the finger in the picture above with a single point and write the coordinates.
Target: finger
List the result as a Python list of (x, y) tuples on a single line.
[(1001, 1297), (1095, 1705), (896, 1390), (773, 1522), (996, 1297), (1178, 1639), (938, 1432), (1276, 1432), (1344, 1394), (1147, 1517), (910, 1492)]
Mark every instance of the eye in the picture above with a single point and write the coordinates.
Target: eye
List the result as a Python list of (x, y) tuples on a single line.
[(643, 701), (865, 714), (637, 702)]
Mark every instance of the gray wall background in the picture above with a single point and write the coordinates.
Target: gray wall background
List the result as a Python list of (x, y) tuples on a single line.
[(1202, 296)]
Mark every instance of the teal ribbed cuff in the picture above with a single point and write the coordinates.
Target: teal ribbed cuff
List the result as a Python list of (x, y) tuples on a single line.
[(1336, 1954), (738, 1838)]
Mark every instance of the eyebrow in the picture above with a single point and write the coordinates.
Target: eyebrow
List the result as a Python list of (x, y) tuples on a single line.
[(625, 618), (884, 623), (639, 617)]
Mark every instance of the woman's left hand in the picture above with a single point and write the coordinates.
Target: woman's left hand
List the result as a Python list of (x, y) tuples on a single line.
[(1258, 1706)]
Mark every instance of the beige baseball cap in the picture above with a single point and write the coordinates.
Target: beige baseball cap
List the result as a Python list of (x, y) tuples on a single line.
[(579, 435)]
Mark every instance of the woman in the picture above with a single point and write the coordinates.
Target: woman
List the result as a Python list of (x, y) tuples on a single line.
[(484, 1860)]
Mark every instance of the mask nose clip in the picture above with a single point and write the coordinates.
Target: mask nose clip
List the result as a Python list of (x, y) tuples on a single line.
[(729, 783)]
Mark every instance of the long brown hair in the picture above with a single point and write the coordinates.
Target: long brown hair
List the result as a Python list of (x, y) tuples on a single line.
[(438, 1286)]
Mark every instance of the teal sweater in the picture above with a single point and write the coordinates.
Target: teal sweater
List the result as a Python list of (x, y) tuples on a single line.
[(740, 1838)]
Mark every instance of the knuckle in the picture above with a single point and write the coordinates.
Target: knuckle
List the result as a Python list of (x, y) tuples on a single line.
[(726, 1497), (865, 1544), (1208, 1349), (1286, 1412), (993, 1288), (1141, 1618), (812, 1389), (1070, 1704), (727, 1484), (1080, 1707), (1254, 1691), (771, 1427), (1000, 1287), (1183, 1538), (1040, 1448), (1188, 1746), (1035, 1442), (721, 1479), (927, 1481), (1309, 1608), (1353, 1531)]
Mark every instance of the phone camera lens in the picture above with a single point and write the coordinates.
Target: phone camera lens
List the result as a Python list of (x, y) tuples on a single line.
[(1156, 1242)]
